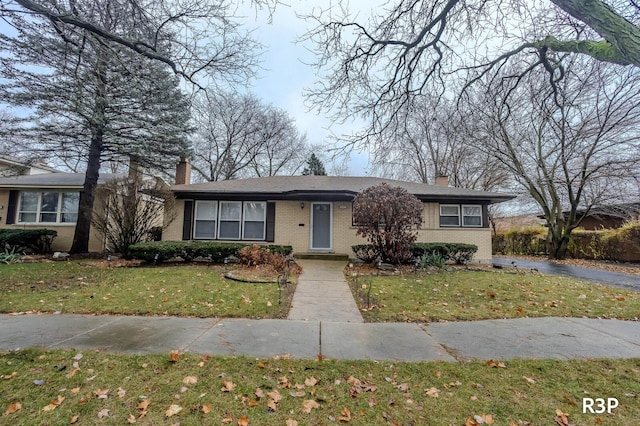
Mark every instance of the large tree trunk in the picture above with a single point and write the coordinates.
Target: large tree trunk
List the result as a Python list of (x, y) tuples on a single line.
[(88, 194)]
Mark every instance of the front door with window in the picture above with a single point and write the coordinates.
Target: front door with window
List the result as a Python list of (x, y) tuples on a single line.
[(321, 225)]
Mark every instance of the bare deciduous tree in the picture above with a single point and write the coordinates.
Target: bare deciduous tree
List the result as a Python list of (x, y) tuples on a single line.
[(239, 136), (131, 208), (569, 145), (373, 69)]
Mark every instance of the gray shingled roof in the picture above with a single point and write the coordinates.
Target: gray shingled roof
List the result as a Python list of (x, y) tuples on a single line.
[(52, 180), (290, 186)]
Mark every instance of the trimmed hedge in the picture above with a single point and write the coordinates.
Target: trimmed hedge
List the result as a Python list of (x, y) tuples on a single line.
[(189, 250), (459, 253), (32, 240)]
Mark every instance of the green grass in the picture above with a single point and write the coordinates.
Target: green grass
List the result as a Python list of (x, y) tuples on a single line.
[(390, 393), (81, 287), (477, 295)]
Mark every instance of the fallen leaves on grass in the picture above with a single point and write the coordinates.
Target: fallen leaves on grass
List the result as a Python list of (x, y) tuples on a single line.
[(228, 386), (54, 404), (562, 419), (12, 408), (309, 405), (103, 413), (358, 386), (345, 415), (190, 380), (172, 410), (493, 364), (174, 356)]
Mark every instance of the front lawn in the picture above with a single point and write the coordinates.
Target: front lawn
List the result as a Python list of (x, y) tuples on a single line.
[(66, 387), (463, 295), (90, 287)]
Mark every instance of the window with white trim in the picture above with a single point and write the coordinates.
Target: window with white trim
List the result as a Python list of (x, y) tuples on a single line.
[(205, 220), (472, 216), (449, 215), (254, 220), (48, 207), (230, 215)]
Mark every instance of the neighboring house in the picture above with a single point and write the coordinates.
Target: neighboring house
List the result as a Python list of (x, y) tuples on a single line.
[(314, 213), (11, 166), (47, 201), (608, 216)]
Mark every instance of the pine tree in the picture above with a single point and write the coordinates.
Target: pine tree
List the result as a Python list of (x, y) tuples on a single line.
[(314, 167)]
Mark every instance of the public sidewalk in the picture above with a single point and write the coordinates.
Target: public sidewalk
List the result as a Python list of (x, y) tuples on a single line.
[(558, 338)]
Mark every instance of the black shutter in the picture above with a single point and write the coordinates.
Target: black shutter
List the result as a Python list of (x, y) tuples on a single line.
[(12, 207), (271, 222), (188, 218)]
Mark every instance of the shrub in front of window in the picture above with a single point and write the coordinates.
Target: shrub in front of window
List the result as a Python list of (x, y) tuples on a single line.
[(388, 217), (37, 241), (217, 252), (459, 253)]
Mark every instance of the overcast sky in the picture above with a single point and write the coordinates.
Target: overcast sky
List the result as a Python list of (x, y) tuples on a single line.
[(285, 74)]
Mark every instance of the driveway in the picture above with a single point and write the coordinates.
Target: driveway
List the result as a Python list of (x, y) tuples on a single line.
[(615, 279)]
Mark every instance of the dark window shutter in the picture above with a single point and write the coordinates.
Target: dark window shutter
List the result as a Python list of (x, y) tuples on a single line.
[(188, 218), (271, 222), (12, 207)]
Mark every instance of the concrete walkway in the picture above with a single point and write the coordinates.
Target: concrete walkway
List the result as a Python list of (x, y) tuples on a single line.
[(322, 294)]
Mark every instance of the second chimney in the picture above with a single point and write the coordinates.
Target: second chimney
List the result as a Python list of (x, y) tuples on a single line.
[(183, 172), (442, 180)]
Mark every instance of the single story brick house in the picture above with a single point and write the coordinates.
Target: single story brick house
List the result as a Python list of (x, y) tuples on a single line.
[(314, 213), (47, 200)]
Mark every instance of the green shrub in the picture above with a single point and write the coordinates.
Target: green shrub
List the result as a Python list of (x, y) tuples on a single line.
[(459, 253), (189, 250), (32, 240), (433, 259)]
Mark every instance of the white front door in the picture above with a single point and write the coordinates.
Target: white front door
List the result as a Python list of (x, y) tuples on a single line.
[(321, 226)]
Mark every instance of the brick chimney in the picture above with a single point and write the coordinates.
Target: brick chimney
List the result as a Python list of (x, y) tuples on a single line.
[(183, 172), (442, 180)]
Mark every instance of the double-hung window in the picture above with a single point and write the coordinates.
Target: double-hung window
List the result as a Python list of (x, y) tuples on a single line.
[(48, 207), (449, 215), (230, 215), (253, 225), (205, 220), (472, 216)]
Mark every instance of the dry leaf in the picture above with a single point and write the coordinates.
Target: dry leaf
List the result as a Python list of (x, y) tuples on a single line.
[(174, 356), (275, 395), (272, 405), (261, 365), (298, 394), (121, 393), (291, 422), (228, 386), (101, 393), (309, 405), (53, 404), (494, 364), (345, 415), (206, 409), (227, 420), (562, 419), (74, 419), (103, 413), (12, 408), (72, 373), (10, 376), (432, 392), (485, 419), (144, 404), (310, 381), (190, 380), (172, 410), (243, 421), (530, 379), (259, 393), (131, 419), (75, 390)]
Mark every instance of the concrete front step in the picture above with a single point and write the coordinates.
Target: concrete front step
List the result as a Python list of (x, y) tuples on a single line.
[(322, 256)]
